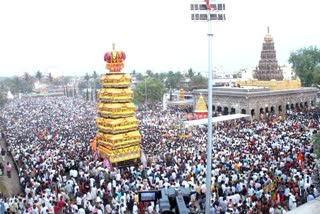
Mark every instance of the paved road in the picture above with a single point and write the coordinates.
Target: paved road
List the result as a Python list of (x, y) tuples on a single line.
[(11, 184)]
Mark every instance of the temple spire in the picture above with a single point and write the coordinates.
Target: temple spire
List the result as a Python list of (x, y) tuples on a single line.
[(268, 68)]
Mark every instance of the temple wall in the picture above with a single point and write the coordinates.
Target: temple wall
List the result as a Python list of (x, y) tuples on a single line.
[(259, 104), (273, 84)]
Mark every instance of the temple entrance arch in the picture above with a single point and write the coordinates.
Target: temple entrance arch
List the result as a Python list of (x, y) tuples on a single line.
[(292, 106), (252, 112), (243, 111), (261, 111), (233, 111), (225, 111), (280, 108), (287, 107), (213, 107), (272, 109), (301, 105), (219, 109)]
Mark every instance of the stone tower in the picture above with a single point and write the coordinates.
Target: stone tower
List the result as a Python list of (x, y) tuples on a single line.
[(268, 68)]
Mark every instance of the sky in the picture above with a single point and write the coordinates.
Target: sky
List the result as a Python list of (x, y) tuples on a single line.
[(70, 37)]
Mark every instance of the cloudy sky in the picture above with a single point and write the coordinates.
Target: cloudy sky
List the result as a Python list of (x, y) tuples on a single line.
[(71, 36)]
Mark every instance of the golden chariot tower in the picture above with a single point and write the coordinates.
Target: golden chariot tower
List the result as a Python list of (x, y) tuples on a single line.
[(118, 138)]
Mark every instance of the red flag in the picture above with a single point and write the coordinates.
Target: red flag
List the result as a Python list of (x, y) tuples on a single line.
[(208, 4)]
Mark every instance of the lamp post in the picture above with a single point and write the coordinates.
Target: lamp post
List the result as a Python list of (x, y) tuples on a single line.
[(208, 10)]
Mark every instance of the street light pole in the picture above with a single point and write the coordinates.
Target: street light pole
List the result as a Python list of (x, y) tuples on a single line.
[(201, 11), (210, 142)]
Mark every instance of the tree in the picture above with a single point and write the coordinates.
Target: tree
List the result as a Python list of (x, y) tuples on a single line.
[(139, 76), (190, 73), (94, 77), (87, 78), (39, 75), (149, 90), (198, 82), (3, 94), (174, 80), (12, 84), (50, 78), (149, 73), (27, 83), (306, 64), (316, 144)]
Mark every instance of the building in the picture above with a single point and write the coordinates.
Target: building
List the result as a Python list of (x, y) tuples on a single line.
[(269, 93)]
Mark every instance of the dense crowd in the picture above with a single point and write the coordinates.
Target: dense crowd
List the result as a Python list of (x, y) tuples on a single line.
[(257, 167)]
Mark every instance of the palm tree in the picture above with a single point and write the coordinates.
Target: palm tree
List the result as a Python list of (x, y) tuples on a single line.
[(190, 73), (87, 78), (39, 76), (94, 77), (149, 73), (50, 78), (26, 78)]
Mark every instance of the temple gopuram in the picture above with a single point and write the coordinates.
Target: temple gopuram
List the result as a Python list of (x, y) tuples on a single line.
[(268, 94), (118, 138), (268, 73), (268, 68)]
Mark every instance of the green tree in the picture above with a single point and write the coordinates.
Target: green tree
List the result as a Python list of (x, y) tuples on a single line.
[(139, 76), (198, 82), (190, 73), (94, 77), (50, 78), (174, 80), (3, 97), (316, 144), (87, 78), (27, 83), (149, 73), (3, 93), (306, 65), (150, 90), (39, 75)]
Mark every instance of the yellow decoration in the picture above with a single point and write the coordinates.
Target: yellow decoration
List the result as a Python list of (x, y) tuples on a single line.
[(117, 138), (118, 80), (272, 84), (201, 105)]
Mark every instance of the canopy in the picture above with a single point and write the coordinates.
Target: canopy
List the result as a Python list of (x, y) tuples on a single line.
[(215, 119), (180, 102)]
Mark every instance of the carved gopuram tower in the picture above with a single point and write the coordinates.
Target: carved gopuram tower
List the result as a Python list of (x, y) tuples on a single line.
[(268, 68)]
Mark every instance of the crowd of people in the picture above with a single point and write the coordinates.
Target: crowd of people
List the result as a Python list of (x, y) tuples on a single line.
[(257, 167)]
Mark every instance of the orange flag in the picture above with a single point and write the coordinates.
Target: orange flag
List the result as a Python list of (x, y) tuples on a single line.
[(93, 144)]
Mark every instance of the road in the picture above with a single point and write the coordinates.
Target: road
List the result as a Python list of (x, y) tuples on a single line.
[(11, 185)]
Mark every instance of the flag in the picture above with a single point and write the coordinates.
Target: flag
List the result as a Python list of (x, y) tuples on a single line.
[(107, 164), (208, 4), (93, 144)]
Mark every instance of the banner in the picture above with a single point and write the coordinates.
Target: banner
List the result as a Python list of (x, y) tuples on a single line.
[(107, 164)]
